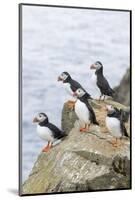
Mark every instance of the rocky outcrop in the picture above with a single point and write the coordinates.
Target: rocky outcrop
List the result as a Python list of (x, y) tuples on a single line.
[(122, 92), (83, 161)]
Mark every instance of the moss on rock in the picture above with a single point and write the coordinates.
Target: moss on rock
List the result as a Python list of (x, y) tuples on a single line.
[(83, 161)]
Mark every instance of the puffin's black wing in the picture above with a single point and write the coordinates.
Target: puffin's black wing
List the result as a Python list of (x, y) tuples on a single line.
[(92, 113), (75, 85), (57, 133), (123, 129), (123, 118), (124, 115), (104, 86)]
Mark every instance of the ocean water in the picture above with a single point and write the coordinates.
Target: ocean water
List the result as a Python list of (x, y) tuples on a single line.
[(62, 39)]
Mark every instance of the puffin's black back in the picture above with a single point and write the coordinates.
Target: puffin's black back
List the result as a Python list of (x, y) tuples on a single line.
[(123, 129), (103, 84), (125, 115), (57, 133), (92, 115)]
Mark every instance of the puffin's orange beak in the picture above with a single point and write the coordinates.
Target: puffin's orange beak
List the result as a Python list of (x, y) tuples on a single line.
[(35, 120), (59, 79), (74, 94), (106, 108), (93, 66)]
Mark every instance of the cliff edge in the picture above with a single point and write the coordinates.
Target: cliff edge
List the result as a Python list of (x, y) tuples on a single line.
[(83, 161), (122, 91)]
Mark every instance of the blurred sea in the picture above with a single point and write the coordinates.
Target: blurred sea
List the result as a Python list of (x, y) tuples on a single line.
[(62, 39)]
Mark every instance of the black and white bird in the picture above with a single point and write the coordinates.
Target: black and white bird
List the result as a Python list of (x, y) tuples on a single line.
[(115, 123), (83, 110), (101, 81), (48, 131), (71, 86)]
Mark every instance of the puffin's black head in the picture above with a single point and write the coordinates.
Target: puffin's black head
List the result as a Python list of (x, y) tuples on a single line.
[(65, 76), (97, 65), (41, 117), (79, 93), (110, 109), (113, 112)]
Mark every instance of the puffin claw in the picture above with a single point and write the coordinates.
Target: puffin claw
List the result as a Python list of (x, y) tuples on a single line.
[(115, 143), (83, 130), (47, 148)]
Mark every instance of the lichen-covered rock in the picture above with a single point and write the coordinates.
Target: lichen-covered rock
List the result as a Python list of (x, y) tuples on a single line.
[(83, 161), (122, 91)]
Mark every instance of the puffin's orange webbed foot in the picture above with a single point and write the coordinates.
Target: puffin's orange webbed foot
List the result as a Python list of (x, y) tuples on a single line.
[(83, 130), (115, 143), (47, 148)]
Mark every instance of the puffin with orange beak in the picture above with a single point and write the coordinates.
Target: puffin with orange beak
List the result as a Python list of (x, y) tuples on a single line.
[(71, 86), (115, 124), (101, 81), (48, 131)]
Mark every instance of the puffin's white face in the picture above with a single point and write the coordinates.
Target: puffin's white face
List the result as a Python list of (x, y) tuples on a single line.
[(40, 118), (79, 92), (63, 77), (96, 66), (109, 108)]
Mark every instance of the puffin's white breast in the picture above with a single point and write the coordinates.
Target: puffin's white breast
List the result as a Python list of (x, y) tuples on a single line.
[(113, 124), (68, 88), (82, 111), (94, 85), (44, 133), (94, 78)]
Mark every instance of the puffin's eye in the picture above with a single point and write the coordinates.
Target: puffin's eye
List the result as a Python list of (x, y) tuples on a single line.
[(40, 116)]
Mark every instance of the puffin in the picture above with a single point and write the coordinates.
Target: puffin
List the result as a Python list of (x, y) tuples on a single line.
[(101, 81), (115, 124), (84, 110), (48, 131), (71, 86)]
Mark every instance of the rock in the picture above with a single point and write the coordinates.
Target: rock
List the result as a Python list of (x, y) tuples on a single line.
[(83, 161), (69, 117), (122, 92)]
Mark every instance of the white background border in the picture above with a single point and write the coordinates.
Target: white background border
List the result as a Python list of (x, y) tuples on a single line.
[(9, 98)]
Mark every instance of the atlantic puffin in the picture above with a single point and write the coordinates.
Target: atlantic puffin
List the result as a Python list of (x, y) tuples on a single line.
[(83, 110), (71, 86), (48, 131), (101, 81), (115, 124)]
